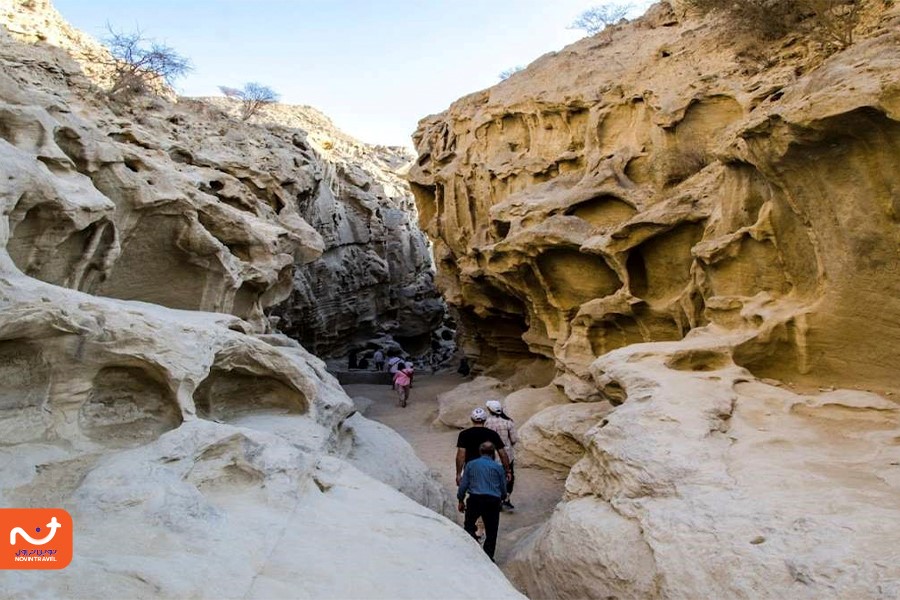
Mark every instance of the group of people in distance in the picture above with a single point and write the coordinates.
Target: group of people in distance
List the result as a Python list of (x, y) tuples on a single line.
[(484, 486)]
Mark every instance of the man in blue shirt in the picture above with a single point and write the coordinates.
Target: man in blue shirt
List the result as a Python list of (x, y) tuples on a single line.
[(485, 481)]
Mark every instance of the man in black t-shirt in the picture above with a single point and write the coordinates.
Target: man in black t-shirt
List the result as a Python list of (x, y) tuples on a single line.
[(470, 440)]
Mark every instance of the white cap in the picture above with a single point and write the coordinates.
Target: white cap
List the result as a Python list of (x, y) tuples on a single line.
[(478, 415), (494, 406)]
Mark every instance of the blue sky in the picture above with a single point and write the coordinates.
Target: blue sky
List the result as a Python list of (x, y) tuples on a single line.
[(374, 67)]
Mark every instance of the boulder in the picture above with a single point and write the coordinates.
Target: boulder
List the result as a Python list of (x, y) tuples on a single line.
[(380, 452), (456, 405), (607, 555), (556, 437), (523, 404)]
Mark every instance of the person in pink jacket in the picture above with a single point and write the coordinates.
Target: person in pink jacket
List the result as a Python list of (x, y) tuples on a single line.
[(402, 382)]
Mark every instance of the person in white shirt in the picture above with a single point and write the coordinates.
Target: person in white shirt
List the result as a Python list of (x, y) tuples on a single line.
[(505, 427)]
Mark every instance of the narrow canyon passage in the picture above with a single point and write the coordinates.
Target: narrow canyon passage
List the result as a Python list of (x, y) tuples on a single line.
[(536, 491), (670, 249)]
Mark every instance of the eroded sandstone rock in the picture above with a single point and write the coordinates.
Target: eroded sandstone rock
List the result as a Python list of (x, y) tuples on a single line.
[(555, 438), (523, 404), (629, 191), (380, 452), (158, 203), (369, 274), (618, 564), (671, 222)]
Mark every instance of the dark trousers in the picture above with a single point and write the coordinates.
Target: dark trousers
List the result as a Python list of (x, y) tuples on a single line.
[(488, 508), (512, 478)]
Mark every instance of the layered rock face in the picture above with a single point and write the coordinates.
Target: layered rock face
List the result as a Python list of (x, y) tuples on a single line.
[(681, 226), (176, 436), (375, 276)]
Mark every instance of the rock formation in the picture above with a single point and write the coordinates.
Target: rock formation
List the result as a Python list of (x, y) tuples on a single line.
[(375, 277), (167, 203), (176, 436), (684, 226)]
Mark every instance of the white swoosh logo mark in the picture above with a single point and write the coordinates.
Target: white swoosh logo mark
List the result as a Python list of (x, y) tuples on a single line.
[(53, 525)]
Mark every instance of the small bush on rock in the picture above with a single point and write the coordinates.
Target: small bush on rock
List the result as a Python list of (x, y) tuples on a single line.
[(831, 22), (836, 20), (768, 19)]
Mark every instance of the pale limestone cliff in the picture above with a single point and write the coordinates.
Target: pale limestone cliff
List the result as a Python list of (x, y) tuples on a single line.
[(167, 203), (176, 436), (679, 223)]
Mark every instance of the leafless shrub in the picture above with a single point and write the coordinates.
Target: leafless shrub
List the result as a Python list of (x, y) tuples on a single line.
[(510, 72), (598, 18), (835, 20), (137, 64), (253, 97), (768, 19)]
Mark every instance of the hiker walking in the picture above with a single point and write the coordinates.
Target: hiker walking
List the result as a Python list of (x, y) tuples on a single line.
[(394, 363), (402, 383), (485, 482), (470, 440), (378, 357), (505, 427)]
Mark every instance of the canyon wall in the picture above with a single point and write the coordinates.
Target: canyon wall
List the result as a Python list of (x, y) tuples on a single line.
[(632, 191), (375, 277), (215, 205), (199, 455), (704, 232)]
